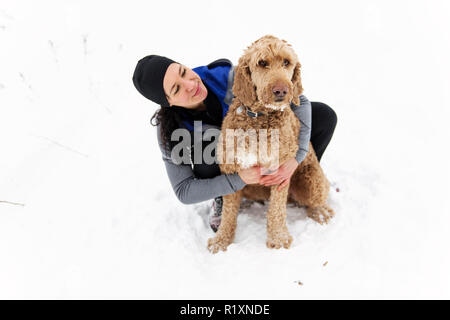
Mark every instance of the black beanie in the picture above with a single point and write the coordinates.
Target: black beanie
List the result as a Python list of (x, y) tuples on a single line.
[(148, 78)]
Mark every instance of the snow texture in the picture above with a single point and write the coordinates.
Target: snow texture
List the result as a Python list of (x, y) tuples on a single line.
[(86, 208)]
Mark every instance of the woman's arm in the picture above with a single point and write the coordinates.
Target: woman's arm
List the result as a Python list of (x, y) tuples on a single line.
[(303, 113), (189, 189)]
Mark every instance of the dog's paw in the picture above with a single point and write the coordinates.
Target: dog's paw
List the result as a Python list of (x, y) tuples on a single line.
[(218, 243), (321, 214), (278, 240)]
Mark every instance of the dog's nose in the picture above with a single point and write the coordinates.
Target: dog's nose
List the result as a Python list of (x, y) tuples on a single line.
[(279, 91)]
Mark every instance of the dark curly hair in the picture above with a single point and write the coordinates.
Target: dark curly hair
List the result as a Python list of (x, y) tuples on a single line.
[(168, 119)]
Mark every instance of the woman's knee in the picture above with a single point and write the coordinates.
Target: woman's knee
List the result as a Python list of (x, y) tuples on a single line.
[(332, 116), (324, 114)]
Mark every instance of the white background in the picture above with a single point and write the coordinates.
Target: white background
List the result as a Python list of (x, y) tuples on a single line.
[(91, 213)]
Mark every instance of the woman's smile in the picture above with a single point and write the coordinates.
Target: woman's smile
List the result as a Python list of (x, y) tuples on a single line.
[(198, 90)]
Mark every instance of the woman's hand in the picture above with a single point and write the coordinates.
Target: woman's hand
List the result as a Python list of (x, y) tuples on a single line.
[(282, 176), (251, 175)]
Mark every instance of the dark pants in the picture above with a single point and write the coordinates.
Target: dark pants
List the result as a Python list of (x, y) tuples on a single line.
[(324, 121)]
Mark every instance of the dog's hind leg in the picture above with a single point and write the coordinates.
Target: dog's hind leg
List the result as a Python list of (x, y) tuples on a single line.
[(277, 233), (227, 228), (310, 187), (321, 214)]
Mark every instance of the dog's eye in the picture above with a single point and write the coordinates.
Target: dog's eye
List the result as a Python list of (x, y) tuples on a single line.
[(262, 63), (286, 62)]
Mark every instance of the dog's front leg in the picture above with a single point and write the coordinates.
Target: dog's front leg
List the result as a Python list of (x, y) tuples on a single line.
[(227, 228), (277, 233)]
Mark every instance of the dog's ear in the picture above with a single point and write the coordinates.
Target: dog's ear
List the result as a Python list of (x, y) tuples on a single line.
[(243, 87), (297, 82)]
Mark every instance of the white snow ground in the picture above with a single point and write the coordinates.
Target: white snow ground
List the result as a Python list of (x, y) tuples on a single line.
[(95, 216)]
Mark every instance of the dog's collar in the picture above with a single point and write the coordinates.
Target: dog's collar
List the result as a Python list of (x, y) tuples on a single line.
[(252, 114), (249, 112)]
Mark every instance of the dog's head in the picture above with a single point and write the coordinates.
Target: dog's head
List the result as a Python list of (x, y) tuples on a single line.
[(268, 73)]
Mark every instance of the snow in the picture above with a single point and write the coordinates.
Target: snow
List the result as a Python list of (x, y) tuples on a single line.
[(87, 210)]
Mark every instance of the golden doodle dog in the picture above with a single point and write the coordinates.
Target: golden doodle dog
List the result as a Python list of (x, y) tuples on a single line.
[(267, 79)]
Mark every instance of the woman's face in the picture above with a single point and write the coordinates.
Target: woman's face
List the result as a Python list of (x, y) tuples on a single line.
[(183, 87)]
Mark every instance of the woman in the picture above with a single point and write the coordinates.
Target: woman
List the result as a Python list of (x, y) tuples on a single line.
[(204, 94)]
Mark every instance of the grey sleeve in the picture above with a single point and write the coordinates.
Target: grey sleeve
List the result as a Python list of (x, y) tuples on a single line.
[(303, 113), (189, 189)]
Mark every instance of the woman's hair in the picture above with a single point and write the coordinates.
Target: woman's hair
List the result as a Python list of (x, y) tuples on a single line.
[(168, 119)]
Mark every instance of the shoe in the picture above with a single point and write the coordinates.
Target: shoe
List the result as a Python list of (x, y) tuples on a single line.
[(216, 214)]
